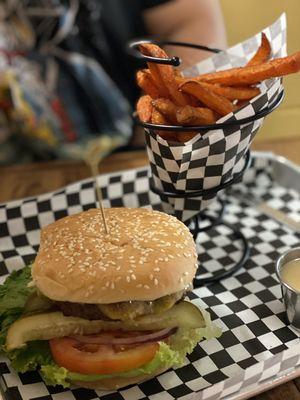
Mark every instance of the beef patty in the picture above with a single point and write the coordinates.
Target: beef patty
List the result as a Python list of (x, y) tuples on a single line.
[(119, 311)]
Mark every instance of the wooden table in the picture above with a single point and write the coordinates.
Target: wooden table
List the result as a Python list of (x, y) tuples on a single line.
[(27, 180)]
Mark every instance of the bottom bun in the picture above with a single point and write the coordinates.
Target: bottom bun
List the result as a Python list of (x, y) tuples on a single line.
[(118, 382)]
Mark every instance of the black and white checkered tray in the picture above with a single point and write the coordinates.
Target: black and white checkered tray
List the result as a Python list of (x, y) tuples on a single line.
[(256, 344)]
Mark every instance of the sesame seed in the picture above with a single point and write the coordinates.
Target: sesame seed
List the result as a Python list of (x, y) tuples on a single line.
[(155, 282), (128, 279)]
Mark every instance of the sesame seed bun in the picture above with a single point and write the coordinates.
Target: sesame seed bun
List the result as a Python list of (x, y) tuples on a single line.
[(146, 255), (118, 382)]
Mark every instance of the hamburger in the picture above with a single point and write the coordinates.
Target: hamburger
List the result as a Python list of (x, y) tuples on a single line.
[(104, 310)]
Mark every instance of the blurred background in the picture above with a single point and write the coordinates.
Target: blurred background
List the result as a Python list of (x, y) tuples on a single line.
[(242, 19), (67, 83)]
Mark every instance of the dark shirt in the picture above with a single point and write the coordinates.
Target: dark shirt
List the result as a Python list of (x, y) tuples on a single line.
[(102, 31)]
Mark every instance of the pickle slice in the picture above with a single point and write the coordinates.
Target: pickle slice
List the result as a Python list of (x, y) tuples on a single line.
[(54, 324), (182, 315), (37, 303), (133, 309)]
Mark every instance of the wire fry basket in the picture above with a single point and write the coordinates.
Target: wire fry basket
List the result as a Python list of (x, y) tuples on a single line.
[(188, 176)]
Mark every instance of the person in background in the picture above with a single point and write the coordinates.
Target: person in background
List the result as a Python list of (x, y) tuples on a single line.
[(67, 78)]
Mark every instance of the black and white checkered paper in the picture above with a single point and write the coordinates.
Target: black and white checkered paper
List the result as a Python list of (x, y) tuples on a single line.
[(256, 343), (212, 158)]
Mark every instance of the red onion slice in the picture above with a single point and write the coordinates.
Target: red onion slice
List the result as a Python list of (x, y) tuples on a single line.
[(111, 339)]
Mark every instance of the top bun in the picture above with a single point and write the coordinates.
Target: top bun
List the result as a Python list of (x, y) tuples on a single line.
[(146, 255)]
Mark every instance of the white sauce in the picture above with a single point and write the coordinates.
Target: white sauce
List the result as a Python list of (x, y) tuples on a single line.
[(290, 273)]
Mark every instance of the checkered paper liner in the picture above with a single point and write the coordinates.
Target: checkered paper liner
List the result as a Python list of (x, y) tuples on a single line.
[(211, 159), (246, 306)]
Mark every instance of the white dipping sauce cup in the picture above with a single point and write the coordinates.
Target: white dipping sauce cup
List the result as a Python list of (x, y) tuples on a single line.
[(290, 295)]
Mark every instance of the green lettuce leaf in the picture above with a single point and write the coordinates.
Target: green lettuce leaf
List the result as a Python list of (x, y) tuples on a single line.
[(14, 294), (184, 341), (30, 358)]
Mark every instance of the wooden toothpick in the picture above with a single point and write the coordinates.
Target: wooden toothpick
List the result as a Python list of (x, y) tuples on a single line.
[(96, 151), (95, 170)]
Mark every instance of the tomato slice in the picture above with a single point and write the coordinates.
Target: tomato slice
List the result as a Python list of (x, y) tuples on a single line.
[(100, 359)]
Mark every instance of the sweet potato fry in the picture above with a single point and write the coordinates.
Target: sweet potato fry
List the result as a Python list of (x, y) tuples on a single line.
[(168, 136), (158, 119), (179, 137), (146, 83), (263, 53), (239, 104), (154, 70), (191, 100), (146, 71), (212, 100), (144, 108), (163, 75), (183, 137), (232, 93), (256, 73), (168, 112), (189, 115), (167, 108)]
